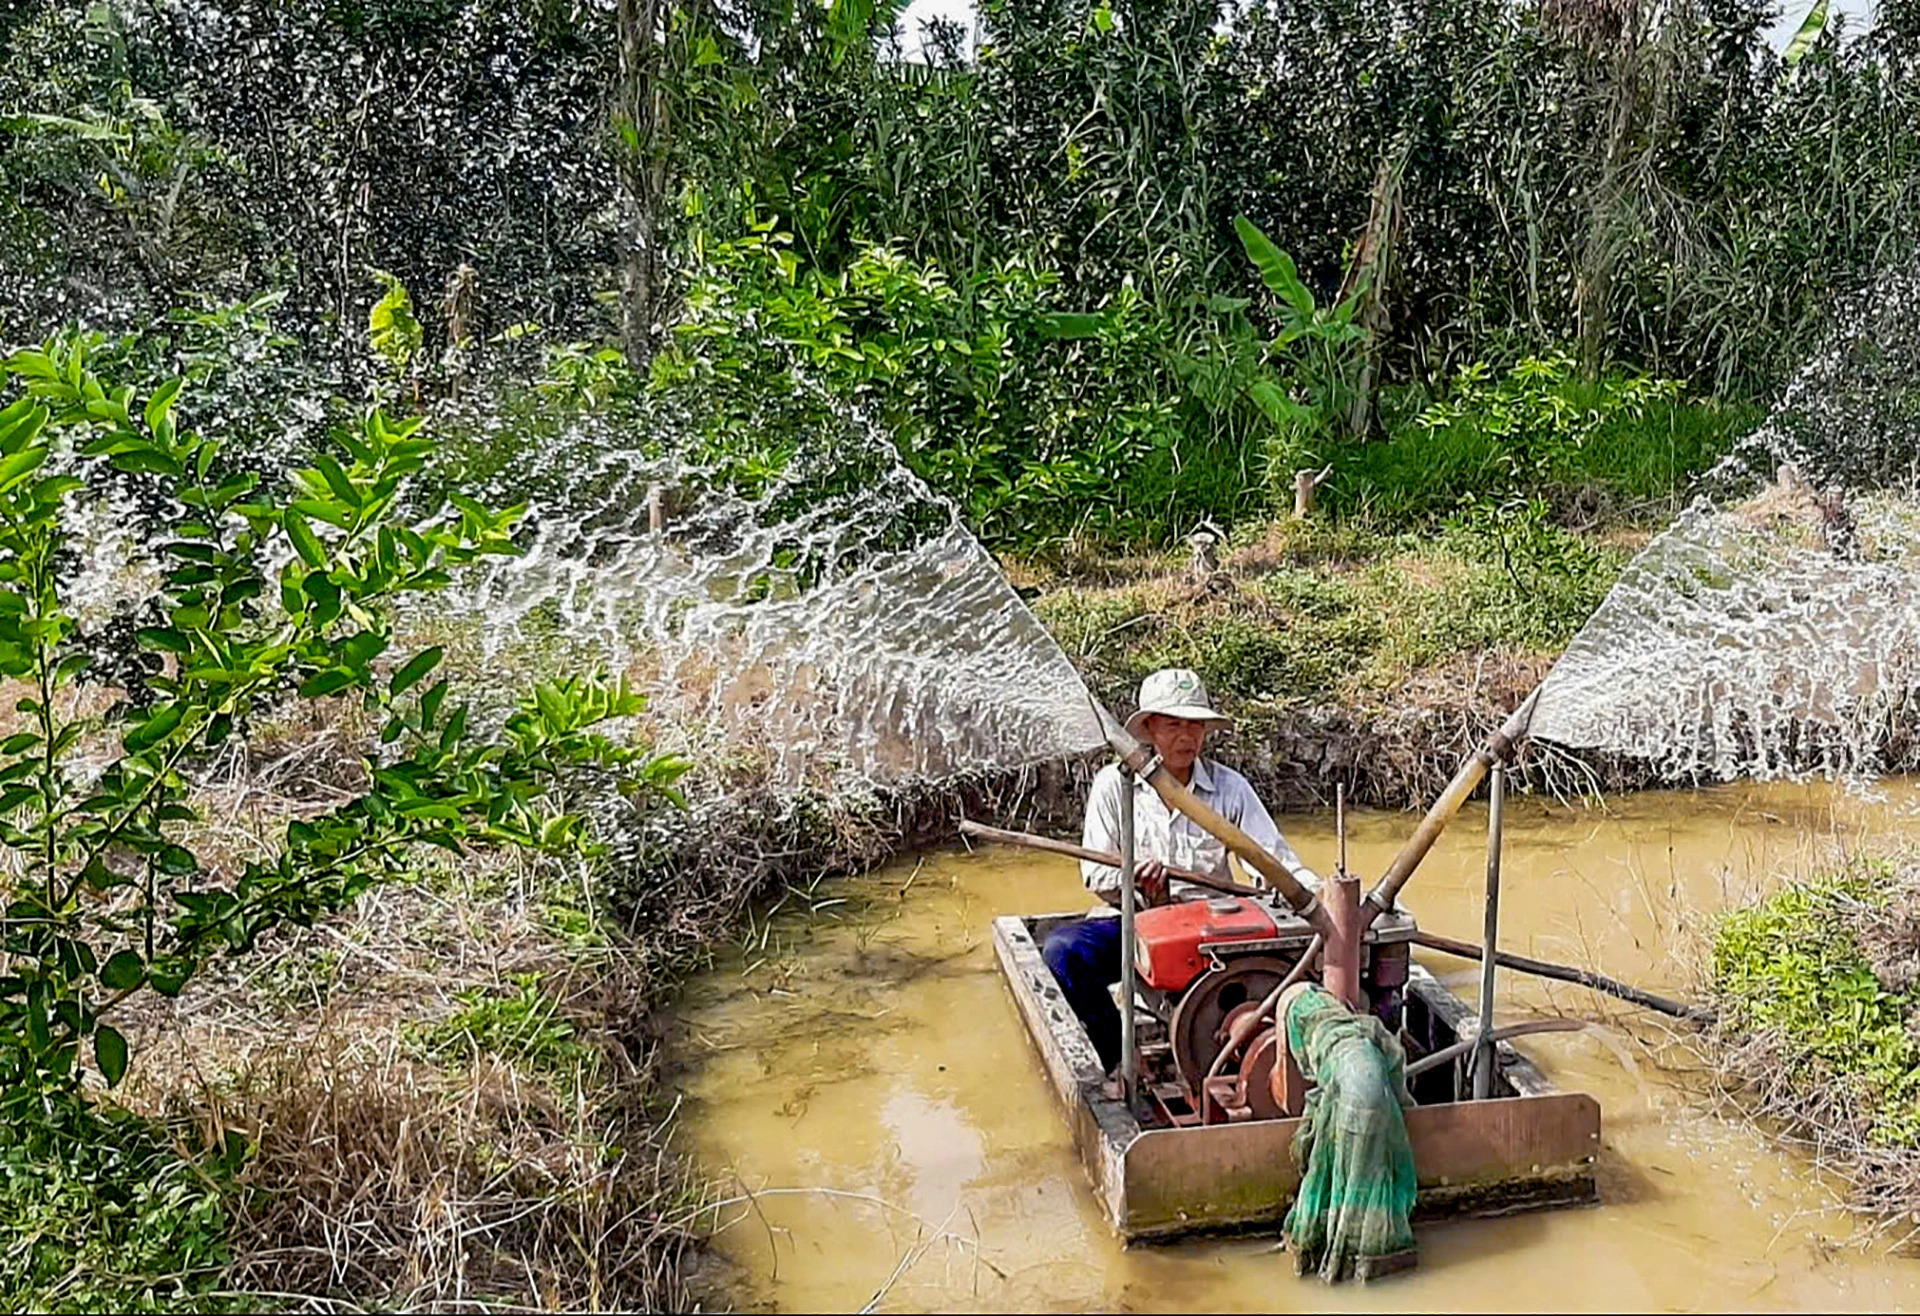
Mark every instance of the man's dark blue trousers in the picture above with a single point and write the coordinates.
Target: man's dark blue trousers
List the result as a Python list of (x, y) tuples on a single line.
[(1084, 958)]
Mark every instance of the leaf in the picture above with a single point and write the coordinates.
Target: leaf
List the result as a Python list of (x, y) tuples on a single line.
[(430, 705), (418, 666), (1277, 406), (19, 424), (392, 330), (332, 513), (328, 682), (164, 637), (169, 973), (1070, 325), (303, 539), (1811, 28), (19, 466), (155, 729), (161, 403), (147, 461), (337, 480), (1275, 266), (123, 970), (363, 648), (110, 1053)]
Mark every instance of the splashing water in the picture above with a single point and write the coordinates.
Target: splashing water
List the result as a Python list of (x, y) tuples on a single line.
[(1773, 629), (838, 623)]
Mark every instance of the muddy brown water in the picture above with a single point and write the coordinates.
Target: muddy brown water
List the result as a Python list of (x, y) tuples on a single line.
[(861, 1071)]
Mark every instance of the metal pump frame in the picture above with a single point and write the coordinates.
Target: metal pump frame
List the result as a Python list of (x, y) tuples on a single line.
[(1339, 917)]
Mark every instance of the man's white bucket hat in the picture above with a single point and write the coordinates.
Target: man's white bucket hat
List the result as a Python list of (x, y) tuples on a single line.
[(1176, 692)]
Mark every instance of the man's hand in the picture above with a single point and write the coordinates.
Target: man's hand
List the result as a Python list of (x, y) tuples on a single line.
[(1150, 880)]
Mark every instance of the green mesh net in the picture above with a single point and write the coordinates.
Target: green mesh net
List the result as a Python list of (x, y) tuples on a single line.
[(1356, 1166)]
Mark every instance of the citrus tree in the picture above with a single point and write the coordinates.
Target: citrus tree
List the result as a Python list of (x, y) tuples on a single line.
[(269, 592)]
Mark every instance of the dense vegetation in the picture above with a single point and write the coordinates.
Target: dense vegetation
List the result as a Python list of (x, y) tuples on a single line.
[(1126, 267), (283, 286), (1819, 992)]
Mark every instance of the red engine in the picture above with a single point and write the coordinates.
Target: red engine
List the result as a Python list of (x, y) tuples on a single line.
[(1167, 940)]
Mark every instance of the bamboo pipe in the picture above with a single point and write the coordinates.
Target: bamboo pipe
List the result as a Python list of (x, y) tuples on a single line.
[(1146, 765), (1105, 857), (1499, 747), (1599, 982)]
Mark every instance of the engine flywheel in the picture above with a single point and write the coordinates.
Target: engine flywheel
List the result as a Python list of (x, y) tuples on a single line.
[(1198, 1029)]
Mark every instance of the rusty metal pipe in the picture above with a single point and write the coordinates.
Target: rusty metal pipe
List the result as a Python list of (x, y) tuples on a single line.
[(1598, 982), (1169, 788), (1523, 1029), (1499, 748), (1341, 975)]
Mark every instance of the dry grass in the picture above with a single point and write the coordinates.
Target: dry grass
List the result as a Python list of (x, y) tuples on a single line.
[(389, 1173), (410, 1151)]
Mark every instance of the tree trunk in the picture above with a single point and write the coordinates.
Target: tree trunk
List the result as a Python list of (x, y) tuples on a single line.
[(1593, 290), (640, 116)]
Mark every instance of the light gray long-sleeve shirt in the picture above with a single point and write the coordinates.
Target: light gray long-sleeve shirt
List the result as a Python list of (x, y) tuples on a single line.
[(1177, 840)]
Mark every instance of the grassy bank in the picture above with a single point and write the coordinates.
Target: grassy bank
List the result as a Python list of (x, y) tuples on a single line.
[(1818, 989), (1347, 653)]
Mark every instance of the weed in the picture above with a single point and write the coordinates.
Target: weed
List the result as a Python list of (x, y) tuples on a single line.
[(1793, 967), (103, 1214), (523, 1025)]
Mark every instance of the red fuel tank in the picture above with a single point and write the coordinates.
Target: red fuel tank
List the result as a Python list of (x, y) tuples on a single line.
[(1167, 940)]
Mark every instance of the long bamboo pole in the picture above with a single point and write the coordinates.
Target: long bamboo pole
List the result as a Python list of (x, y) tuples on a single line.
[(1105, 857), (1499, 748), (1496, 835), (1599, 982)]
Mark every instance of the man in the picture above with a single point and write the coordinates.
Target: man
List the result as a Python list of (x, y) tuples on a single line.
[(1174, 717)]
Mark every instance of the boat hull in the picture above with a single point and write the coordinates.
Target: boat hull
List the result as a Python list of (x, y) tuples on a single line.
[(1528, 1148)]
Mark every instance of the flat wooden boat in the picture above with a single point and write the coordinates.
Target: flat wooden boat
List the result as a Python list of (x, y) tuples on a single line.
[(1528, 1147)]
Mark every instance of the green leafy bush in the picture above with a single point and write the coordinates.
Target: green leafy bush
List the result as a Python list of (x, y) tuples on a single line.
[(265, 595), (1792, 966), (1032, 420), (104, 1214)]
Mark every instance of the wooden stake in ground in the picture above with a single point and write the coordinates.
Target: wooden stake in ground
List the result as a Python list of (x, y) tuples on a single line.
[(1304, 483)]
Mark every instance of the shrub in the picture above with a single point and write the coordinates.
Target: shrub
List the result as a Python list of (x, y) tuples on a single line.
[(1793, 967), (262, 597)]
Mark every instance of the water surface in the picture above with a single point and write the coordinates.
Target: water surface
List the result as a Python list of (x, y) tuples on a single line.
[(863, 1073)]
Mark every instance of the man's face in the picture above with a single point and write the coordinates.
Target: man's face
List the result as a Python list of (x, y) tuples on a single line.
[(1176, 739)]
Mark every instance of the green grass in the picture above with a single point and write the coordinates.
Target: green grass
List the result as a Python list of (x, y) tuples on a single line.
[(1792, 965), (1416, 475), (1321, 613), (523, 1026), (99, 1212)]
